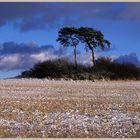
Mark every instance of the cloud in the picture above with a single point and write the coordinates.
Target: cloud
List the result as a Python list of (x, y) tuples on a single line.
[(84, 58), (13, 48), (131, 12), (25, 55), (19, 56), (30, 16), (130, 58)]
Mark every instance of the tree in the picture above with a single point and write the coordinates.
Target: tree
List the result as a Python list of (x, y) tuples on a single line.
[(68, 37), (92, 39)]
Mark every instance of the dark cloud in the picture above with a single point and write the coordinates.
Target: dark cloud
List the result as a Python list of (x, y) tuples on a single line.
[(17, 56), (25, 55), (14, 56), (61, 51), (131, 12), (130, 58), (31, 48), (28, 16)]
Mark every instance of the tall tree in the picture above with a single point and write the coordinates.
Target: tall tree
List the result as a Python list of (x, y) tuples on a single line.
[(68, 36), (92, 39)]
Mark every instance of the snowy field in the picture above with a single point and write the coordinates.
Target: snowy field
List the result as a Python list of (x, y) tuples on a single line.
[(51, 108)]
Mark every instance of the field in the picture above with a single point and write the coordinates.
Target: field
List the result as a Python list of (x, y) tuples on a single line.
[(59, 108)]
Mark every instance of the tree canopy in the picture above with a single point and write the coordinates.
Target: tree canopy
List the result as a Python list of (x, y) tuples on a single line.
[(68, 36), (92, 38)]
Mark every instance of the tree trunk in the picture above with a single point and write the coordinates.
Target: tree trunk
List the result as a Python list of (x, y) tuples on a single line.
[(93, 60), (75, 62)]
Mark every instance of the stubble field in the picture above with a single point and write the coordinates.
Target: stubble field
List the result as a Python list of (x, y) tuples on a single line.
[(59, 108)]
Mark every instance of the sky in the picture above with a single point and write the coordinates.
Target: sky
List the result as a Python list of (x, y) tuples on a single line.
[(28, 32)]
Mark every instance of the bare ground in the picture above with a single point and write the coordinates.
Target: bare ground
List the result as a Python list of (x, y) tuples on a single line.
[(50, 108)]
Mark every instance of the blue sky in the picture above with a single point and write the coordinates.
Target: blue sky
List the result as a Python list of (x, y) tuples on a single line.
[(28, 32)]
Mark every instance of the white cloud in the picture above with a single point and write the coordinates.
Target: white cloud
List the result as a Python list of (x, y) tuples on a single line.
[(43, 56), (9, 61), (25, 55)]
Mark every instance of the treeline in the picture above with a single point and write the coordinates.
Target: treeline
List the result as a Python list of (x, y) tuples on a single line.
[(104, 68)]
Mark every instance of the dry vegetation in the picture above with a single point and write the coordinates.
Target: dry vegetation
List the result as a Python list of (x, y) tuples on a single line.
[(51, 108)]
